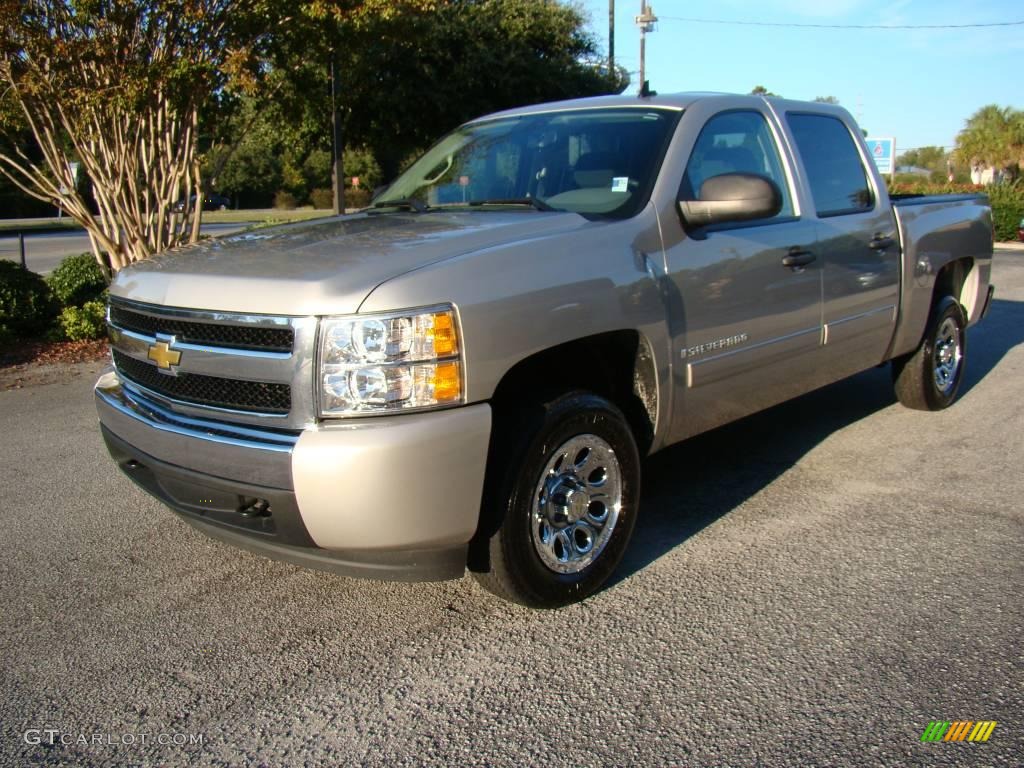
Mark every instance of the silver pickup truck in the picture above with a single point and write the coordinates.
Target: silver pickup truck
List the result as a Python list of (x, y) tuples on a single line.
[(467, 374)]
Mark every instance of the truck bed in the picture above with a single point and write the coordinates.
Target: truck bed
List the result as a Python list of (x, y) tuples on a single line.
[(935, 230)]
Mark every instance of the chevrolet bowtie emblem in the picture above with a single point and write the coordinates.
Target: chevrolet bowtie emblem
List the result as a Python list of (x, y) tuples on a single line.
[(162, 354)]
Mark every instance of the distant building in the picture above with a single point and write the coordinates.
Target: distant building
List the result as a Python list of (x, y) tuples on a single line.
[(914, 170), (982, 175)]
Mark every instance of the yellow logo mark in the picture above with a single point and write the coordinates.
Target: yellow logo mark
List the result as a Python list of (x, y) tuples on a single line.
[(982, 731), (162, 354)]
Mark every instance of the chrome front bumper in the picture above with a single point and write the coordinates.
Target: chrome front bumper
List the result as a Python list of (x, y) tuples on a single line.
[(250, 455), (395, 497)]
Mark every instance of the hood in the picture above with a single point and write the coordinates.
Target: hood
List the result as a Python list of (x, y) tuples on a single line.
[(326, 266)]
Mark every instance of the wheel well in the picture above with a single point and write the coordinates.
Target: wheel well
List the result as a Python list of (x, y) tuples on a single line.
[(617, 365), (955, 279)]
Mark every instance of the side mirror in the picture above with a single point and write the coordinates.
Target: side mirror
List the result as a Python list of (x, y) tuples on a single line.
[(732, 197)]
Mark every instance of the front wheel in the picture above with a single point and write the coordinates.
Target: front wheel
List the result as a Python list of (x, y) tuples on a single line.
[(567, 502), (929, 378)]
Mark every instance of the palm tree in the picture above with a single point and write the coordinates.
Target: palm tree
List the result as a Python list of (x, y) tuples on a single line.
[(994, 137)]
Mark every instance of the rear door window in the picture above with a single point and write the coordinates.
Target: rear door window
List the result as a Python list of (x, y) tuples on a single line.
[(835, 172)]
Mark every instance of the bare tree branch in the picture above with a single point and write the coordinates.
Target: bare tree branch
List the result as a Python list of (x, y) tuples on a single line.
[(117, 87)]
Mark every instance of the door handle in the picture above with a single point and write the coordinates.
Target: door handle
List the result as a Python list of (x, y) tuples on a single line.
[(797, 258), (881, 242)]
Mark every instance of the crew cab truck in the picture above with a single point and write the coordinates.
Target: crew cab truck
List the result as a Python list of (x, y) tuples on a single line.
[(467, 373)]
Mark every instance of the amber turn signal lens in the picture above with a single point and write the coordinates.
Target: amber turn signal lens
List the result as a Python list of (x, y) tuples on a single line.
[(445, 340), (447, 382)]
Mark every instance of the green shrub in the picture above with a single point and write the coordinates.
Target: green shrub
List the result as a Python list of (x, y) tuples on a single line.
[(923, 187), (1007, 201), (285, 200), (322, 198), (26, 304), (1007, 209), (86, 322), (76, 280), (357, 197)]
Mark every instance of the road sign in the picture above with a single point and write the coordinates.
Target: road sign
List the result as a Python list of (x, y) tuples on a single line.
[(884, 153)]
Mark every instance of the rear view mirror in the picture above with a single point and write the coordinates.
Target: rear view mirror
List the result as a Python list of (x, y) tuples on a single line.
[(541, 139), (732, 197)]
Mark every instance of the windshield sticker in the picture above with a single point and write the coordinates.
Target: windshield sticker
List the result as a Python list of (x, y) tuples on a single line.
[(620, 184)]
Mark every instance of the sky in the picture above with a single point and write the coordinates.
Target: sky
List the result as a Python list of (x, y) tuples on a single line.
[(918, 86)]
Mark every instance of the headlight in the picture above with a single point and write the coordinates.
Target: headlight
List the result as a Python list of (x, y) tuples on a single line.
[(384, 363)]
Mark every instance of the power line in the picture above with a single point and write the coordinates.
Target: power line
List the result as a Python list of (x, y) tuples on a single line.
[(840, 26)]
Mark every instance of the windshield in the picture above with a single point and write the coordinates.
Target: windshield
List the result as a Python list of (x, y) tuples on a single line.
[(597, 162)]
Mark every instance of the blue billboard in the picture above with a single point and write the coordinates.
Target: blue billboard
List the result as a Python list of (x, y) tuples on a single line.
[(884, 153)]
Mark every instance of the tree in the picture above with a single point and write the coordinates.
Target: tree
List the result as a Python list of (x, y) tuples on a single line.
[(993, 136), (760, 90), (928, 158), (118, 86), (153, 97), (936, 160), (420, 69)]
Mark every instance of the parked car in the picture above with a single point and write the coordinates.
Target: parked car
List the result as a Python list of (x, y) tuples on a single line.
[(211, 202), (1020, 231), (468, 373)]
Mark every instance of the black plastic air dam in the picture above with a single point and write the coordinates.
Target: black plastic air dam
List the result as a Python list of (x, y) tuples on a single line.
[(187, 493)]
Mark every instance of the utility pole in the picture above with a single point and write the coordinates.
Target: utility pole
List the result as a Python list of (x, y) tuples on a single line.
[(645, 21), (338, 173), (611, 37)]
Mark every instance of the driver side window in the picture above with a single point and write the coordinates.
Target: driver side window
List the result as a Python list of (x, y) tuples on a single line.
[(735, 142)]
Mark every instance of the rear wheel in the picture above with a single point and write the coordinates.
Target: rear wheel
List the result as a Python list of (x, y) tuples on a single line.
[(567, 502), (929, 378)]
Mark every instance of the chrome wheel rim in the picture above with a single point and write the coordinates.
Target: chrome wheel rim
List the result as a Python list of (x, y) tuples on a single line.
[(947, 356), (577, 503)]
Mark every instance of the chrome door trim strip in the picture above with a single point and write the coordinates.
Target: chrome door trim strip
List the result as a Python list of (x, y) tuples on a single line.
[(692, 368), (891, 309)]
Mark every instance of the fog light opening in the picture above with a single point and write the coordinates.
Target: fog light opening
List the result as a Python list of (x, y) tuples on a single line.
[(251, 508)]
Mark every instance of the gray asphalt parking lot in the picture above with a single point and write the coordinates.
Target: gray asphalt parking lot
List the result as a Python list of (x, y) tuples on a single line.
[(810, 586)]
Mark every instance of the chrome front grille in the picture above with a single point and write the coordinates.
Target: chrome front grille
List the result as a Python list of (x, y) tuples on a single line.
[(250, 369), (252, 337), (256, 396)]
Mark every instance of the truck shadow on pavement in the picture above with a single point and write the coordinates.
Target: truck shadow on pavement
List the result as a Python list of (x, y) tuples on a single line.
[(691, 485)]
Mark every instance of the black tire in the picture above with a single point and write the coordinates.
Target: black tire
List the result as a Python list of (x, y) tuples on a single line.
[(917, 376), (524, 508)]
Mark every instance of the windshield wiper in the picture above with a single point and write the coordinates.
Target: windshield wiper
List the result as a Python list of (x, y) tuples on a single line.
[(536, 202), (403, 202)]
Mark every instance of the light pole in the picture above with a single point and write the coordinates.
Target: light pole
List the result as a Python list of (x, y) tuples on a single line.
[(611, 37), (645, 21), (337, 173)]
